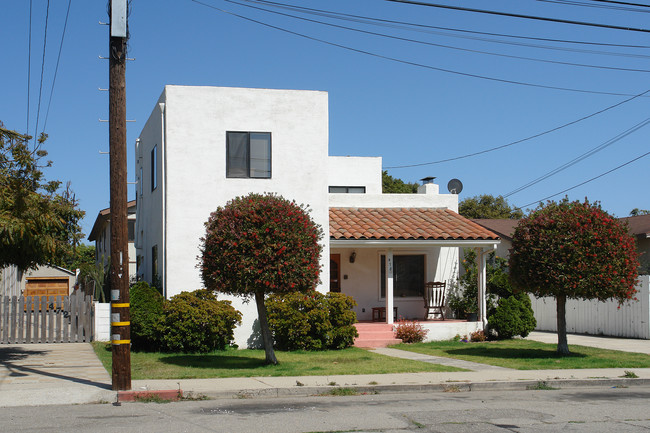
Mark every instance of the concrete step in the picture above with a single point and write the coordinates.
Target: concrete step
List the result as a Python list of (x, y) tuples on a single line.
[(374, 343)]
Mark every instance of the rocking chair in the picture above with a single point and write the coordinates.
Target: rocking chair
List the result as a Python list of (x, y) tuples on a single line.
[(434, 298)]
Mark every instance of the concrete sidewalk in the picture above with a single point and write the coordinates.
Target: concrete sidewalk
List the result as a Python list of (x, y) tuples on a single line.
[(46, 374)]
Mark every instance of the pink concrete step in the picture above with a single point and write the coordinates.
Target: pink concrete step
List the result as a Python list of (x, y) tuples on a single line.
[(375, 335)]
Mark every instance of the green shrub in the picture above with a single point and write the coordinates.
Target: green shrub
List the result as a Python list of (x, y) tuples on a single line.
[(512, 316), (410, 332), (342, 318), (197, 322), (146, 312), (311, 321)]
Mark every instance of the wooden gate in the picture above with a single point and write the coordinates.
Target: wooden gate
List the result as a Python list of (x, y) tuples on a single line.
[(47, 319)]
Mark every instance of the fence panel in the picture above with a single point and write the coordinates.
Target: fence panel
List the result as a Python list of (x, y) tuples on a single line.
[(43, 319), (631, 320)]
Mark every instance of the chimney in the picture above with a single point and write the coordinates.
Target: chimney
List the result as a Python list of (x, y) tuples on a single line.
[(428, 187)]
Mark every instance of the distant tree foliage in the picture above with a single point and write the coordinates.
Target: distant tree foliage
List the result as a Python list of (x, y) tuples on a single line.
[(573, 250), (487, 206), (261, 244), (38, 224), (636, 212), (393, 185)]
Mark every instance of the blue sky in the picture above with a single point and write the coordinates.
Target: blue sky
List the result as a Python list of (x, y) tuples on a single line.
[(404, 113)]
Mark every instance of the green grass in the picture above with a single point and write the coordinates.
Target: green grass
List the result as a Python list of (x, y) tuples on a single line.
[(248, 363), (530, 355)]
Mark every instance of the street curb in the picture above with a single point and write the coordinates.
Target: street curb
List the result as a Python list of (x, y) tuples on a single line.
[(162, 395), (452, 387)]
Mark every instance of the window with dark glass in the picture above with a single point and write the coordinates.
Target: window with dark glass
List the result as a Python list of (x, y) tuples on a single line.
[(408, 276), (347, 189), (154, 168), (248, 154), (154, 263)]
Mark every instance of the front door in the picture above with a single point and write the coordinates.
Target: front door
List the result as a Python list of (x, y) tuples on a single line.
[(335, 273)]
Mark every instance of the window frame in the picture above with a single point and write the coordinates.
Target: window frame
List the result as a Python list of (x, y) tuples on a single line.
[(383, 275), (347, 189), (249, 170), (154, 167)]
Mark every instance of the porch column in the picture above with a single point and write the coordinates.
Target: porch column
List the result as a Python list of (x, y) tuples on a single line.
[(389, 287), (482, 278)]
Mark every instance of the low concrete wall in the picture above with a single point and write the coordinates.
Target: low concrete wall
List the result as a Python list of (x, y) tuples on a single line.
[(102, 321), (446, 330), (631, 320)]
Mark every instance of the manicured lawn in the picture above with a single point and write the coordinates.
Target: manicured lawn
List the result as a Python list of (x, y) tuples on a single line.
[(246, 363), (530, 355)]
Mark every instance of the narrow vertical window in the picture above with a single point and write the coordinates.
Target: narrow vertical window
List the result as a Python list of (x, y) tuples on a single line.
[(154, 167), (154, 263)]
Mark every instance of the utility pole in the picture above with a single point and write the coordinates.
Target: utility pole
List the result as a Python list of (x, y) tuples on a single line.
[(119, 270)]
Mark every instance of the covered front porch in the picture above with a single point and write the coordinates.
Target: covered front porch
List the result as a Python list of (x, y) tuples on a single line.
[(383, 258)]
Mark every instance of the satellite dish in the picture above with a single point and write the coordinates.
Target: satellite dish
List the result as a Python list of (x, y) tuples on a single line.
[(455, 186)]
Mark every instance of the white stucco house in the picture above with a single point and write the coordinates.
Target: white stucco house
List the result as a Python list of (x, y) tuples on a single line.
[(203, 146)]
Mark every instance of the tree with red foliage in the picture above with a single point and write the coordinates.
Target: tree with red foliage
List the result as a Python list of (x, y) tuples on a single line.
[(573, 250), (261, 244)]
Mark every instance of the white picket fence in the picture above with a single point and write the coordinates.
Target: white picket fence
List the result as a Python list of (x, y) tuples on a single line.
[(631, 320)]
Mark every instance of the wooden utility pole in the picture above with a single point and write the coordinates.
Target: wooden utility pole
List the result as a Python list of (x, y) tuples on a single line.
[(119, 271)]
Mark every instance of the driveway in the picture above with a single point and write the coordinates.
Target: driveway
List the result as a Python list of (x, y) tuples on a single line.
[(613, 343), (43, 374)]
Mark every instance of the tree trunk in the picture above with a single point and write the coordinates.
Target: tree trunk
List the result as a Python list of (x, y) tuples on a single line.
[(267, 338), (562, 345)]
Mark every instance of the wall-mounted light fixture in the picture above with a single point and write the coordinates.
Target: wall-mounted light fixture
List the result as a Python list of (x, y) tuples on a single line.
[(353, 257)]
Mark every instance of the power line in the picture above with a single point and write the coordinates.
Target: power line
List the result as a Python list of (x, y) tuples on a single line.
[(586, 4), (40, 91), (419, 27), (622, 3), (586, 181), (29, 63), (533, 59), (56, 69), (406, 62), (580, 157), (513, 15), (492, 149)]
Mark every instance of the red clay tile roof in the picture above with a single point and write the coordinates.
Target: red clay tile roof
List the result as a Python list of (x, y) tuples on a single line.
[(404, 223)]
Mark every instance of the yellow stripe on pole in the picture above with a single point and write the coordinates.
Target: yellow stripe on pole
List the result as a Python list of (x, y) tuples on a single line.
[(124, 305), (120, 323), (118, 342)]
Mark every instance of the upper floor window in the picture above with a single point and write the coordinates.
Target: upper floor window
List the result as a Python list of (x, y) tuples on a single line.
[(348, 189), (154, 167), (248, 154)]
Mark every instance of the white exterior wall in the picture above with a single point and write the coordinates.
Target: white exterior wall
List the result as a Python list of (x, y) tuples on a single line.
[(444, 201), (355, 171), (632, 320), (192, 172), (102, 322), (149, 214)]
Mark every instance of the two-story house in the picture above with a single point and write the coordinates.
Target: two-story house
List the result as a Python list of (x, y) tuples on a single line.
[(203, 146)]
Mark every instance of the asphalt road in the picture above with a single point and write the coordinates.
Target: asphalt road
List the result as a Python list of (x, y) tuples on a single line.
[(584, 410)]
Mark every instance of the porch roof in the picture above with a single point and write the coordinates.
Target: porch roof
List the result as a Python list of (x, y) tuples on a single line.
[(403, 224)]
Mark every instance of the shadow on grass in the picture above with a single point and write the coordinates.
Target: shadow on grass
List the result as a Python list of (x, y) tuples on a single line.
[(510, 353), (213, 361)]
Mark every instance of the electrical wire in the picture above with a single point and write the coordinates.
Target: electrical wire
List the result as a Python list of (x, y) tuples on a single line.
[(584, 4), (40, 91), (548, 131), (622, 3), (407, 62), (56, 69), (580, 157), (29, 62), (513, 15), (419, 27), (585, 182), (432, 44)]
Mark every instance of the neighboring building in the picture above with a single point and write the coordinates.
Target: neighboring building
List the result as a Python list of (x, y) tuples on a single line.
[(101, 234), (639, 227), (44, 280), (203, 146), (505, 228)]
